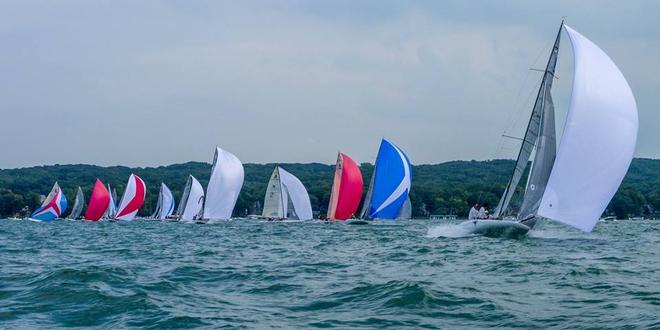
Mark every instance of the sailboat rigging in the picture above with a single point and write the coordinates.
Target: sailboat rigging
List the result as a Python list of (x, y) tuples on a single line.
[(574, 183)]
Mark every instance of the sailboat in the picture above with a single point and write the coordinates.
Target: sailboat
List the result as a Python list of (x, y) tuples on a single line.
[(78, 205), (165, 205), (225, 185), (52, 207), (390, 185), (191, 205), (111, 211), (574, 183), (286, 197), (346, 189), (98, 202), (132, 200)]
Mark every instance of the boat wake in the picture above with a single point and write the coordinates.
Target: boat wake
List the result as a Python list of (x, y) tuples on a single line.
[(448, 230)]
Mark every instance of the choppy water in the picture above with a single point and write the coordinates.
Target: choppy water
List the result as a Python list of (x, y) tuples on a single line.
[(246, 274)]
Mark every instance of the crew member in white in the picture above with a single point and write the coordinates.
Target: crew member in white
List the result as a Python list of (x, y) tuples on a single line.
[(474, 212), (482, 213)]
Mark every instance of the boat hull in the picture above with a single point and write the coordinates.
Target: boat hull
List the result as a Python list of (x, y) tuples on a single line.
[(496, 228)]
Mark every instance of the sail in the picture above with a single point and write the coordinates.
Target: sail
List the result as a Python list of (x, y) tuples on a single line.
[(52, 207), (112, 205), (273, 200), (98, 202), (297, 195), (133, 198), (598, 141), (224, 186), (159, 205), (366, 206), (78, 205), (192, 201), (544, 158), (391, 183), (346, 189), (166, 202), (406, 210), (543, 104)]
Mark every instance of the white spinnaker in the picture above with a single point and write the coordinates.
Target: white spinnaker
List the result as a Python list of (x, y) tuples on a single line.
[(598, 141), (167, 200), (298, 194), (224, 186), (195, 201)]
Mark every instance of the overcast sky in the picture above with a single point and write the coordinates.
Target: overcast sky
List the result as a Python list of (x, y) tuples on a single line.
[(158, 82)]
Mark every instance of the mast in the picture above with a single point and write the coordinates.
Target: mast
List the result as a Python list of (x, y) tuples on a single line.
[(534, 128)]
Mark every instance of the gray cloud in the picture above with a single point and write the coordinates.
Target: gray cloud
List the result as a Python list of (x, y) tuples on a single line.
[(157, 82)]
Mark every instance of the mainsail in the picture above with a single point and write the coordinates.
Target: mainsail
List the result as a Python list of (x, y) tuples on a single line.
[(274, 200), (346, 189), (390, 183), (406, 210), (598, 142), (159, 205), (52, 207), (78, 205), (540, 133), (192, 201), (133, 198), (98, 202), (224, 186), (286, 197)]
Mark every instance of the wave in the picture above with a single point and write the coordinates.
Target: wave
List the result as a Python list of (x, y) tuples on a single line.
[(449, 231)]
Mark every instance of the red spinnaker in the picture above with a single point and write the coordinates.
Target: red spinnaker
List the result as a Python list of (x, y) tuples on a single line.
[(131, 202), (98, 202), (346, 189)]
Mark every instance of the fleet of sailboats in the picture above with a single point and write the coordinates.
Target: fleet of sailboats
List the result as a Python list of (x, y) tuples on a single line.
[(571, 183)]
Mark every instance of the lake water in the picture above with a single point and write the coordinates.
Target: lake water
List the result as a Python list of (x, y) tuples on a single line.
[(246, 274)]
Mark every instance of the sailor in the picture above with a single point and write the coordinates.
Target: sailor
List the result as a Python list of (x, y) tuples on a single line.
[(474, 212), (482, 213)]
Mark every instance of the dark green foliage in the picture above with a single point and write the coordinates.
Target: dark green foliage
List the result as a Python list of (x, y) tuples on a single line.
[(447, 188)]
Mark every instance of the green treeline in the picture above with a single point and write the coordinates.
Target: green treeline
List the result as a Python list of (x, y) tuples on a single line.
[(447, 188)]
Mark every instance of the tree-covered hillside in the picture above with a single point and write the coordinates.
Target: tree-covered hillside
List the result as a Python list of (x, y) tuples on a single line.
[(447, 188)]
